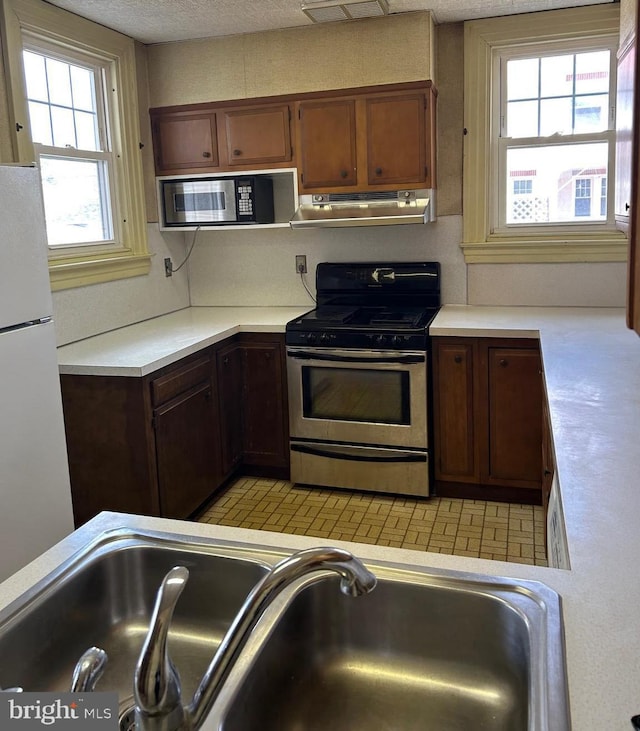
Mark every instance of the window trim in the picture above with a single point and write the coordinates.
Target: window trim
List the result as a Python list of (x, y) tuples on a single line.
[(32, 18), (481, 38)]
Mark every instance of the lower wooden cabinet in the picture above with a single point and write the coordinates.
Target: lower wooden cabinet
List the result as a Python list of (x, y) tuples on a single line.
[(264, 403), (162, 444), (488, 418)]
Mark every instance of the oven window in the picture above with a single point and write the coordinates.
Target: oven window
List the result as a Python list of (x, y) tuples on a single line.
[(348, 394), (209, 201)]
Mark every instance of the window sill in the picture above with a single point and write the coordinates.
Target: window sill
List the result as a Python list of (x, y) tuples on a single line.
[(498, 250), (68, 274)]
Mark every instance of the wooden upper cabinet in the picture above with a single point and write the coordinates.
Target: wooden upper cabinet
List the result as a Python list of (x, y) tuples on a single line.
[(184, 142), (327, 144), (396, 140), (368, 139), (256, 136)]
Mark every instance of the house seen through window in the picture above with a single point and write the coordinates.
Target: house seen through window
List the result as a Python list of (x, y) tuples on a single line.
[(70, 132)]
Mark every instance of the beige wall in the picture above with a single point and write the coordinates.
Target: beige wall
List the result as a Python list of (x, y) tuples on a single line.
[(333, 56)]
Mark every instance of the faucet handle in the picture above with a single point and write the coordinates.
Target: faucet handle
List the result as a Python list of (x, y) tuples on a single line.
[(88, 670), (12, 690), (156, 683)]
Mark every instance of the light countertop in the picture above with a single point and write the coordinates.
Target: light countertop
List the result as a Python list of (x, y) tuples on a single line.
[(145, 347), (592, 376)]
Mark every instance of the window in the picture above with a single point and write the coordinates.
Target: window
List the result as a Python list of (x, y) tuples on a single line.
[(540, 142), (73, 92), (69, 130)]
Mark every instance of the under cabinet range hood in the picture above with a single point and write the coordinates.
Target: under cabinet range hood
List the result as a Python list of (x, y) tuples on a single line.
[(371, 208)]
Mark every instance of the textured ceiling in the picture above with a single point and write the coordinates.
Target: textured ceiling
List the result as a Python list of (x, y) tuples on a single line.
[(158, 21)]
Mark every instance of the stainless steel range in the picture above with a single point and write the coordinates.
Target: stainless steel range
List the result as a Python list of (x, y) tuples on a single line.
[(358, 374)]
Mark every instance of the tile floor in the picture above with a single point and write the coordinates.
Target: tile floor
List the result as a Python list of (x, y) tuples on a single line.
[(503, 531)]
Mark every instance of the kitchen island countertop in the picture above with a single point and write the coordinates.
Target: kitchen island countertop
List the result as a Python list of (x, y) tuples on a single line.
[(592, 378)]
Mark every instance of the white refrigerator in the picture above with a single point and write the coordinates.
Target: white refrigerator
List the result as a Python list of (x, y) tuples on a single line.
[(35, 494)]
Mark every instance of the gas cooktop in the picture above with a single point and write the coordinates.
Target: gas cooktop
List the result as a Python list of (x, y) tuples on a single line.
[(370, 305)]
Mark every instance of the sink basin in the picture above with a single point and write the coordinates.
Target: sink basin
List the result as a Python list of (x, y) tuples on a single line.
[(105, 598), (429, 650), (426, 654)]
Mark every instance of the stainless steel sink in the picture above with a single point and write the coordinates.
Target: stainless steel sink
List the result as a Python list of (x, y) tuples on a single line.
[(105, 598), (428, 650), (419, 653)]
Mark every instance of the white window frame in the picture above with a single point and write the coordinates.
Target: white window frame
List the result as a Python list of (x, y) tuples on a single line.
[(29, 23), (484, 41)]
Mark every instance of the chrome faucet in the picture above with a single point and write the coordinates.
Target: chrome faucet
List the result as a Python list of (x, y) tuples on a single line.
[(157, 690)]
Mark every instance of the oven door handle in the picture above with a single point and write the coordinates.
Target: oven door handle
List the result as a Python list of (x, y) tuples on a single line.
[(305, 355), (336, 453)]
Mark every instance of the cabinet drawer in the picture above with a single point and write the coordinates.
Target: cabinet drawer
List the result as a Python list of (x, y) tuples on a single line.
[(172, 384)]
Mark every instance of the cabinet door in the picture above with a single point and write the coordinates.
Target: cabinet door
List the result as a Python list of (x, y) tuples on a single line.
[(185, 141), (265, 415), (187, 452), (259, 136), (327, 144), (514, 416), (396, 140), (624, 133), (455, 438), (229, 368)]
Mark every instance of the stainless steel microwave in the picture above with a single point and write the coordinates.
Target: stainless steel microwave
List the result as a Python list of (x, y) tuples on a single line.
[(208, 201)]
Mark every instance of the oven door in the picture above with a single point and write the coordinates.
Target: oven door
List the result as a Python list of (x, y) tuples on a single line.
[(367, 397)]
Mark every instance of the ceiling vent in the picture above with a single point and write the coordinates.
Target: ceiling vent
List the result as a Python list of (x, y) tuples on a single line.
[(326, 11)]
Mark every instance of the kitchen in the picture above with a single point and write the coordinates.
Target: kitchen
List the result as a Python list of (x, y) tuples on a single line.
[(260, 272)]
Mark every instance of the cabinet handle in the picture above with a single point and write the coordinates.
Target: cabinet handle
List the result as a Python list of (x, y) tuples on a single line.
[(267, 355), (457, 359), (237, 152), (626, 206), (343, 173), (378, 171), (225, 360), (503, 363), (206, 154)]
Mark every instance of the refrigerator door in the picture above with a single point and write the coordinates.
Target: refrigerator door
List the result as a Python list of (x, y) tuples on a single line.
[(25, 292), (35, 493)]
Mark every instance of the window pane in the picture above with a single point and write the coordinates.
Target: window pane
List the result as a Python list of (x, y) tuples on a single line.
[(40, 123), (522, 79), (573, 97), (59, 82), (75, 200), (556, 76), (592, 113), (82, 87), (522, 119), (557, 173), (86, 132), (592, 72), (555, 117), (64, 133), (35, 76), (70, 92)]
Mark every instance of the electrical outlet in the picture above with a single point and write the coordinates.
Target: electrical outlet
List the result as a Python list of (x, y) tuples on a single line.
[(301, 264), (168, 267)]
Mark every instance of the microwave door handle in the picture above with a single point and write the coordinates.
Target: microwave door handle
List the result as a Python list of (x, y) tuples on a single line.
[(304, 355), (335, 453)]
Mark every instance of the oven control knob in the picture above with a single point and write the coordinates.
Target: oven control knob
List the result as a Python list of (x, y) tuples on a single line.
[(396, 340), (324, 338), (311, 338), (379, 339)]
